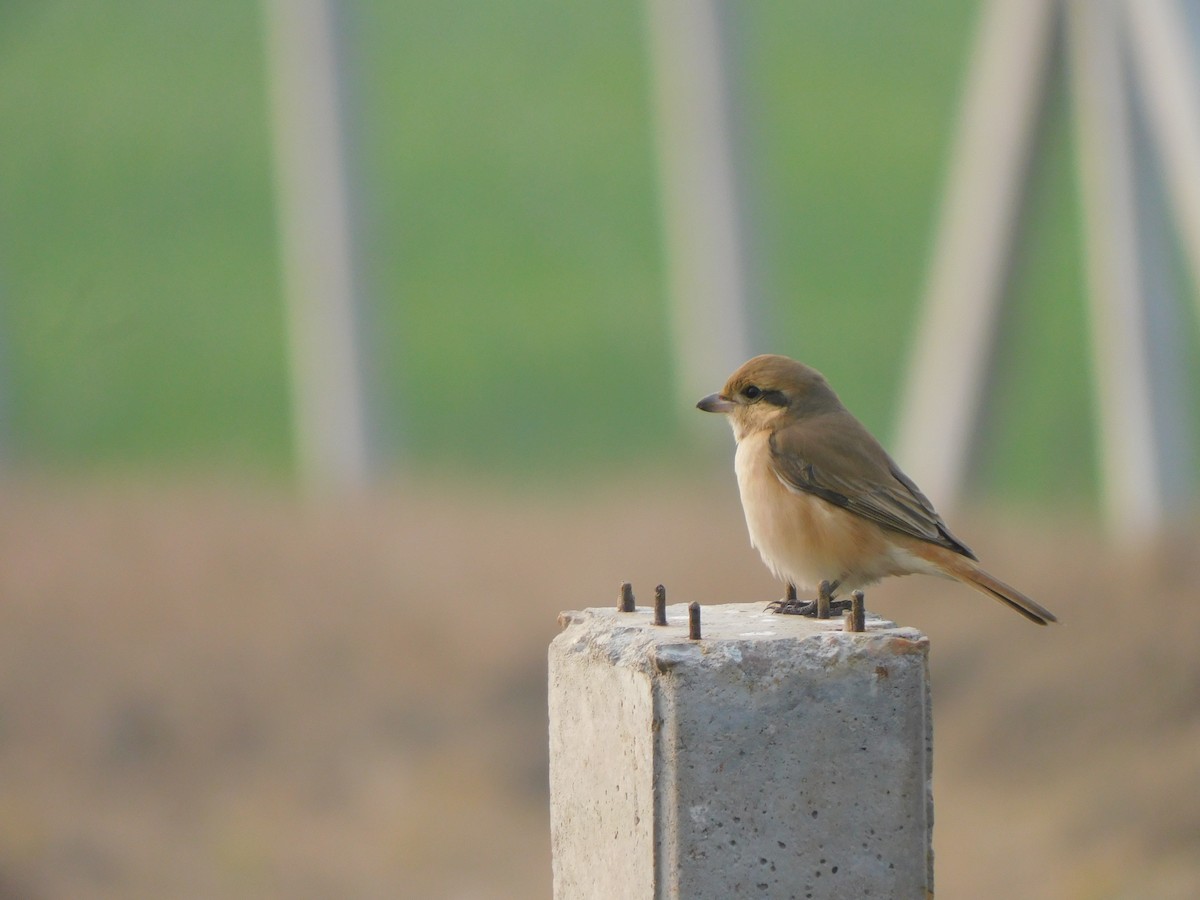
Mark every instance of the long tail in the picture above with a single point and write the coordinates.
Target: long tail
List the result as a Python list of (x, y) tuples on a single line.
[(966, 571)]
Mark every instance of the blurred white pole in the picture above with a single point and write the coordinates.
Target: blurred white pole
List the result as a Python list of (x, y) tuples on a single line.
[(1164, 42), (705, 237), (324, 304), (1164, 48), (951, 354), (1129, 457), (1143, 417)]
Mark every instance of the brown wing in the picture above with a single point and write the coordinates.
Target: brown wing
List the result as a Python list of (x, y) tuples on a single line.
[(835, 458)]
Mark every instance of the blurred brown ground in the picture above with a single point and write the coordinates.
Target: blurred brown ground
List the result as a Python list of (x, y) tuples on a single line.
[(219, 691)]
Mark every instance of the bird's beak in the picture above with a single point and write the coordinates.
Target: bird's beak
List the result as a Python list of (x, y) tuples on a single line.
[(716, 403)]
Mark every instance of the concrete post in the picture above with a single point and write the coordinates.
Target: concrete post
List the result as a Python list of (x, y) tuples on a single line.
[(776, 757)]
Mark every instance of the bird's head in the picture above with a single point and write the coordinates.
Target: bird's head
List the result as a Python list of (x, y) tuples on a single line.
[(771, 391)]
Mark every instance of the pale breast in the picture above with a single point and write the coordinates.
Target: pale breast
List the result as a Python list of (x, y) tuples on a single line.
[(802, 538)]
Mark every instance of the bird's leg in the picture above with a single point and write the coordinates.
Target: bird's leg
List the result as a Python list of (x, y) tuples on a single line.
[(792, 606)]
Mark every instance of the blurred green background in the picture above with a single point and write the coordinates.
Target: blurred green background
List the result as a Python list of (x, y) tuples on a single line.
[(511, 233), (214, 685)]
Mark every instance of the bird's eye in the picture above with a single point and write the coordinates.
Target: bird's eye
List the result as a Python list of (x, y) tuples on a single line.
[(751, 392)]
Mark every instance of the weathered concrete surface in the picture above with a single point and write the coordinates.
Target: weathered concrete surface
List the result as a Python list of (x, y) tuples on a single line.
[(778, 757)]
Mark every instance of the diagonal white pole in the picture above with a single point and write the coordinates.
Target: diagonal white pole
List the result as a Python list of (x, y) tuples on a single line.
[(950, 356), (1129, 456), (1164, 42), (705, 236), (1164, 53), (324, 303)]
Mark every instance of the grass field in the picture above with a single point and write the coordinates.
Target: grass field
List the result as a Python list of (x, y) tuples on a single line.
[(511, 233)]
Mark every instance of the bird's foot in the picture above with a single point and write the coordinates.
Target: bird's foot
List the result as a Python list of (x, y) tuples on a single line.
[(794, 607), (789, 605)]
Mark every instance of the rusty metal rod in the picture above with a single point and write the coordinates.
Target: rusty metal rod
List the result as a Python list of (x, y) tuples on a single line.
[(660, 605), (625, 598)]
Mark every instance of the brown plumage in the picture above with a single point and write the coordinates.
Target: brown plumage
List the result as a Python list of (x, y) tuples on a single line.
[(822, 498)]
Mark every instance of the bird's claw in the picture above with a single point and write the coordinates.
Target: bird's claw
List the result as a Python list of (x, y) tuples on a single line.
[(790, 606)]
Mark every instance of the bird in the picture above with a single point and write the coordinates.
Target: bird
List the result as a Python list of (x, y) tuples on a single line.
[(822, 498)]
